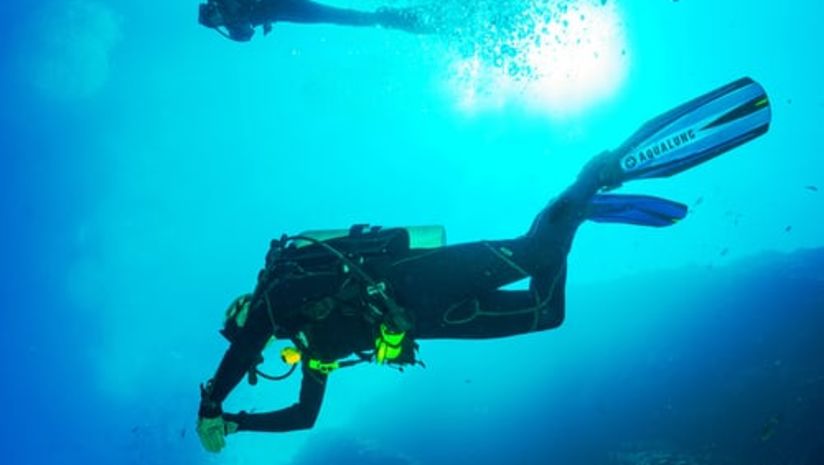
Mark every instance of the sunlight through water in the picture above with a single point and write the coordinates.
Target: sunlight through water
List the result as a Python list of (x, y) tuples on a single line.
[(560, 59)]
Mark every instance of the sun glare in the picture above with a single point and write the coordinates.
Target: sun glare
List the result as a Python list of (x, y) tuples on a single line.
[(573, 59)]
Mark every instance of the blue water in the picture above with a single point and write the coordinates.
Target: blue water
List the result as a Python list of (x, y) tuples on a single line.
[(147, 162)]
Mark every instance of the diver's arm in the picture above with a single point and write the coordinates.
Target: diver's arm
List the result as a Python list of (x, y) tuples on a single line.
[(301, 415), (241, 355)]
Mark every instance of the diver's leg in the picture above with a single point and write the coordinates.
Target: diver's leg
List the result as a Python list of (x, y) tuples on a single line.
[(446, 288), (305, 11), (454, 292), (557, 222), (500, 313)]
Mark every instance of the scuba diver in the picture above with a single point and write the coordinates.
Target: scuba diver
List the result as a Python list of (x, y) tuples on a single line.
[(344, 298), (237, 19)]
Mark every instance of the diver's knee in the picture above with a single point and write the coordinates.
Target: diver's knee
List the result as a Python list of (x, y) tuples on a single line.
[(549, 318)]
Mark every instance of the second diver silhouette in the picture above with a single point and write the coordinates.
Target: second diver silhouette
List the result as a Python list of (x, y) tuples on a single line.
[(237, 19)]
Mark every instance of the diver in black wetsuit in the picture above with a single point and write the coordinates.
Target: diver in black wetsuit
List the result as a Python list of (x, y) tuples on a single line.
[(237, 19), (371, 294), (447, 292)]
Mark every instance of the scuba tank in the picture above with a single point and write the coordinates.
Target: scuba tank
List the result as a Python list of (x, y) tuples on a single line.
[(337, 256), (420, 237), (348, 254)]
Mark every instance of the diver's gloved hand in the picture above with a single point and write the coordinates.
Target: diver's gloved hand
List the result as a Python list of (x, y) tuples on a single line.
[(211, 427), (213, 431)]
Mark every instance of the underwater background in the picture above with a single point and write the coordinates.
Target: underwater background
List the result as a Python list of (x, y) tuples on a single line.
[(147, 162)]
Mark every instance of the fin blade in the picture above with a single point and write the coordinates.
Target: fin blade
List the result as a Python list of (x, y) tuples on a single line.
[(696, 131), (639, 210)]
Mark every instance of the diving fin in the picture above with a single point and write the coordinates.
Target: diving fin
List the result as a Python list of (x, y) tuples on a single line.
[(692, 133), (641, 210)]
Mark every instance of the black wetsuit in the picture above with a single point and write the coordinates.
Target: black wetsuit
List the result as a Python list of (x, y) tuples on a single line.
[(305, 11), (240, 17), (451, 292)]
